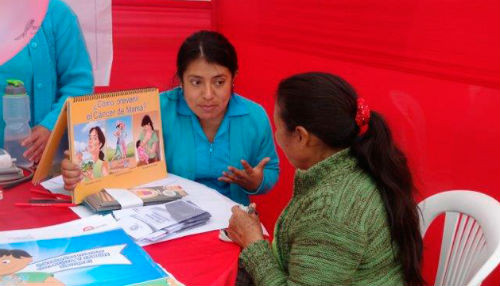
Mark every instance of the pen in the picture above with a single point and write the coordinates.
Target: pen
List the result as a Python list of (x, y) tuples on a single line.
[(251, 210), (50, 195), (48, 201)]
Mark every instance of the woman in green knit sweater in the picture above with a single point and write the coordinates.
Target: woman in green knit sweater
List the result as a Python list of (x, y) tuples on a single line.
[(352, 219)]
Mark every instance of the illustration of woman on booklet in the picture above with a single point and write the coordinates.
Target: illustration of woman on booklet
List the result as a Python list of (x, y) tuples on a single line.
[(121, 146), (99, 166), (149, 139), (12, 261)]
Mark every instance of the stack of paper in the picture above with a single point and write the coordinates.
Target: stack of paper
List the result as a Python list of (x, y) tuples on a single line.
[(149, 224), (206, 198), (115, 199), (9, 174)]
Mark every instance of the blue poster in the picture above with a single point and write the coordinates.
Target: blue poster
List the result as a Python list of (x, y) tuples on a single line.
[(106, 258)]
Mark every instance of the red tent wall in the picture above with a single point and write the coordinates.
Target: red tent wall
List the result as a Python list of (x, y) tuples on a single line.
[(146, 37), (432, 67)]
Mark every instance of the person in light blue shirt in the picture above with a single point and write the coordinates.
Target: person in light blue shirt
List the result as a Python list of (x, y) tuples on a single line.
[(211, 134), (54, 65), (242, 140)]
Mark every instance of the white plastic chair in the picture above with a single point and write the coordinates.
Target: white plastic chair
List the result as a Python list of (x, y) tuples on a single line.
[(470, 248)]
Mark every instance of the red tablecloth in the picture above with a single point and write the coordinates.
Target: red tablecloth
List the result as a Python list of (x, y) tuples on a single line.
[(194, 260)]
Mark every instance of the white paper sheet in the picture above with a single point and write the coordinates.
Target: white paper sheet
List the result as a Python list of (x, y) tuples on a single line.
[(56, 186), (155, 216), (135, 228), (88, 225), (96, 23), (124, 198)]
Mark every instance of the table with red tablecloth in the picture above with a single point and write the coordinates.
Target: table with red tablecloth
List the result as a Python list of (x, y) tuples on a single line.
[(200, 259)]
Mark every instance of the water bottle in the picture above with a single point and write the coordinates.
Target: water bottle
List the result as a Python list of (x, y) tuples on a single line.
[(16, 114)]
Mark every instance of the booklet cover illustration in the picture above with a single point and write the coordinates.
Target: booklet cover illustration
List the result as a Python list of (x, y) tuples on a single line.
[(106, 258), (115, 138)]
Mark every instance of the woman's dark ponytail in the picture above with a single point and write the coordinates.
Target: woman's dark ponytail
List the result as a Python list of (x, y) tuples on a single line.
[(326, 105), (379, 156)]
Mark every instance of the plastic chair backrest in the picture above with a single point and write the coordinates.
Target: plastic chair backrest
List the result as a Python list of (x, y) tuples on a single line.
[(470, 248)]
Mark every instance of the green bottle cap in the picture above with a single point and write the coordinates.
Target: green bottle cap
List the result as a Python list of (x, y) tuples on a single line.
[(15, 87)]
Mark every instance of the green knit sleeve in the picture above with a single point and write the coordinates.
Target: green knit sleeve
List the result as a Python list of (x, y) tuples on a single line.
[(324, 252), (261, 264)]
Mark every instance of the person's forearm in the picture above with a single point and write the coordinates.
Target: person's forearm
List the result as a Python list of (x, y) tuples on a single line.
[(262, 265)]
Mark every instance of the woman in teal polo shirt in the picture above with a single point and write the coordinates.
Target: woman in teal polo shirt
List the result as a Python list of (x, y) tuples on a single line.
[(54, 65), (212, 135)]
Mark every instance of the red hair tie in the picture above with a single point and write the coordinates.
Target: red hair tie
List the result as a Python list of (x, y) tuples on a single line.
[(362, 116)]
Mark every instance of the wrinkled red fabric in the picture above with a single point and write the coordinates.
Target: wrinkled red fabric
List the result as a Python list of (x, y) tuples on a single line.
[(431, 67)]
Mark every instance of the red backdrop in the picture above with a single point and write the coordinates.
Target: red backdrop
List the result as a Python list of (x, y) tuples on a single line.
[(432, 67)]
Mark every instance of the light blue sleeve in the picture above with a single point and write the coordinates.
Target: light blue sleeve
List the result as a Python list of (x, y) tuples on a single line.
[(73, 66), (267, 149)]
